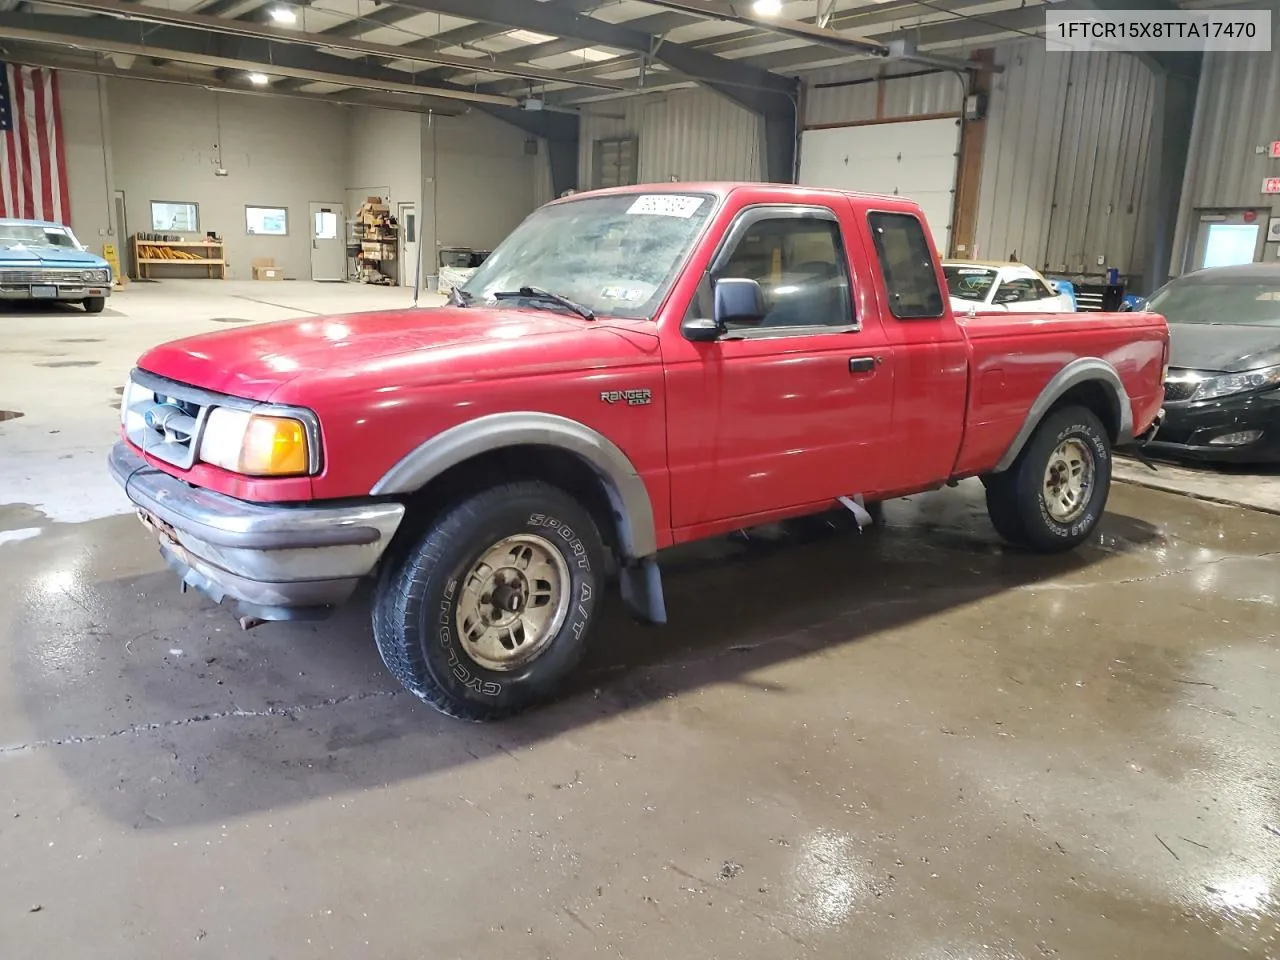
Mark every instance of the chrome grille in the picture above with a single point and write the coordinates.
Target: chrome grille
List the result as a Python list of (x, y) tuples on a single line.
[(18, 278), (164, 418)]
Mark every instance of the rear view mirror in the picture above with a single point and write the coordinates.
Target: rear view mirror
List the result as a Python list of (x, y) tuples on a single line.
[(739, 301)]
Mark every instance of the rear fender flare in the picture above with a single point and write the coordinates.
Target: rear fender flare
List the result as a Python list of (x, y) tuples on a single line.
[(628, 496), (1076, 372)]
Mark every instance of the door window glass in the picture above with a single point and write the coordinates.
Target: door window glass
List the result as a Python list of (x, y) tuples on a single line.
[(326, 225), (906, 257), (1229, 244), (801, 268)]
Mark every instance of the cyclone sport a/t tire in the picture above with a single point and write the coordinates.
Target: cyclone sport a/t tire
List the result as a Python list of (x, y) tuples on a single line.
[(1054, 495), (490, 611)]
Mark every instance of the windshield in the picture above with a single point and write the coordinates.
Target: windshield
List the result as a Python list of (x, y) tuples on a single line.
[(968, 283), (1248, 301), (616, 255), (35, 235)]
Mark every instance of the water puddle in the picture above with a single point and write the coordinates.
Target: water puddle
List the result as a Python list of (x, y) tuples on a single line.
[(69, 363), (229, 320)]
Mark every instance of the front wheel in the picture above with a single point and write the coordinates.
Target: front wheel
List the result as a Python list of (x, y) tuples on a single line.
[(489, 612), (1053, 496), (94, 304)]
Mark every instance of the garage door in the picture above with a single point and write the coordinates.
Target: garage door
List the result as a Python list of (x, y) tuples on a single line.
[(914, 158)]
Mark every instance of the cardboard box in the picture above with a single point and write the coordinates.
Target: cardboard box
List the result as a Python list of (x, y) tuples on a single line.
[(264, 268)]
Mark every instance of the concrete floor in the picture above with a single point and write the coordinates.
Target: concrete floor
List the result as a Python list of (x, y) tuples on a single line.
[(909, 744)]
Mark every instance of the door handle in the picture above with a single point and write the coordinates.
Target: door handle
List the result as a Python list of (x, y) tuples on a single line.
[(864, 364)]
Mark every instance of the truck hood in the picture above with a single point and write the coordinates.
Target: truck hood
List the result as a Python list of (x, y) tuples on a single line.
[(255, 362), (1227, 347)]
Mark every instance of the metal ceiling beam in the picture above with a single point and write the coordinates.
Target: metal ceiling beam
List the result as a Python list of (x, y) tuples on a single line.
[(242, 28), (552, 20), (771, 97), (108, 35), (861, 18), (794, 29), (347, 98)]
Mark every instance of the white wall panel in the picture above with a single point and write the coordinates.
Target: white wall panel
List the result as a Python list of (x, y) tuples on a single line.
[(83, 102), (1064, 162), (1236, 115), (165, 145), (686, 134)]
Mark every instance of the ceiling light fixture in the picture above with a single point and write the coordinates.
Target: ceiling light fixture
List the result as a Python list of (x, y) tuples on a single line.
[(283, 15), (767, 8), (528, 36), (259, 79)]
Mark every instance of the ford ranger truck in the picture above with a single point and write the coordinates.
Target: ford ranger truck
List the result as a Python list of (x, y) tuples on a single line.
[(630, 370)]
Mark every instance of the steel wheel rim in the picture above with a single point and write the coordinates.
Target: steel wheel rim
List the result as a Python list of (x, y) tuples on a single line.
[(1068, 480), (512, 602)]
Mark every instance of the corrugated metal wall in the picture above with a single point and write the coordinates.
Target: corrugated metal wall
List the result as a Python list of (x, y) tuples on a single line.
[(1236, 117), (687, 134), (907, 97), (1066, 152)]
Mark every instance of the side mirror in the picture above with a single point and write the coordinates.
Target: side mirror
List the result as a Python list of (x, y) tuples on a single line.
[(738, 301), (701, 330)]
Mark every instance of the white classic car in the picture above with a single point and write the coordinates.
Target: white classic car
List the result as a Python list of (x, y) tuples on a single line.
[(1014, 287)]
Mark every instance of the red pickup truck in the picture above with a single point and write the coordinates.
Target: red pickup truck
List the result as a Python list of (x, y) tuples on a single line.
[(631, 369)]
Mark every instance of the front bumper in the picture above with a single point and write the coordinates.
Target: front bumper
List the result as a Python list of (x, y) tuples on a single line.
[(61, 292), (1188, 428), (277, 562)]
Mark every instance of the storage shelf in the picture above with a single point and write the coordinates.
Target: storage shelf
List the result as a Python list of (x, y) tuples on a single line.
[(214, 260), (178, 243), (204, 260)]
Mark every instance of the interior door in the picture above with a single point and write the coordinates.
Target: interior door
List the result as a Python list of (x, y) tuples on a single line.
[(328, 245), (407, 217), (795, 409)]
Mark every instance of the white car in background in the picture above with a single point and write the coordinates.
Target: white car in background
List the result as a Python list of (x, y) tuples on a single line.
[(995, 287)]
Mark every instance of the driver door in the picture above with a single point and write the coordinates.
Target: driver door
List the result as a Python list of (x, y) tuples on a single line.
[(792, 410)]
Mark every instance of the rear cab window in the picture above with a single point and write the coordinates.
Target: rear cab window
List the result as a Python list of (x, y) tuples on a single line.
[(906, 259)]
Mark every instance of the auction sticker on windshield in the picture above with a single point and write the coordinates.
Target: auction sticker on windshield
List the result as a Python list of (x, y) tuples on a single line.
[(666, 205)]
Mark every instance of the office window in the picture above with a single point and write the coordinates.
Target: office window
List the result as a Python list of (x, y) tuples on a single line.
[(175, 215), (267, 221)]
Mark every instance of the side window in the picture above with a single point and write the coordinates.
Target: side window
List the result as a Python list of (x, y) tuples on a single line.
[(1021, 290), (906, 257), (800, 265)]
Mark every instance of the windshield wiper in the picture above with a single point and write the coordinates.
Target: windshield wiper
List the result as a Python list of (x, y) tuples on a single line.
[(537, 293), (459, 297)]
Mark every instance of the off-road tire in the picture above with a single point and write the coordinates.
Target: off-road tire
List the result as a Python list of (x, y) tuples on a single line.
[(414, 610), (1016, 499), (94, 304)]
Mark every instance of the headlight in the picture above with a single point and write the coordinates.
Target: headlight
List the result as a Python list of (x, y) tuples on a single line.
[(1237, 383), (95, 276), (255, 444)]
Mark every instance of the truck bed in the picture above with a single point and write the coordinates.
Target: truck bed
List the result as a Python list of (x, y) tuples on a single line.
[(1009, 369)]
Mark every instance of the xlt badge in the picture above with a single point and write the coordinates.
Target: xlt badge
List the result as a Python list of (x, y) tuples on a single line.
[(634, 398)]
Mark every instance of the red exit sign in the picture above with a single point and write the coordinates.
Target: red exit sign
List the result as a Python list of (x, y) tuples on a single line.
[(1275, 148), (1271, 185)]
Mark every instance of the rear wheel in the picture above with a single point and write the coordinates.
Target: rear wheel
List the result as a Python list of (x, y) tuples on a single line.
[(1053, 496), (94, 304), (489, 612)]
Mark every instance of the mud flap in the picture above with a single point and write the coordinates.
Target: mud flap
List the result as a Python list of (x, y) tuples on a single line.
[(857, 507), (641, 585)]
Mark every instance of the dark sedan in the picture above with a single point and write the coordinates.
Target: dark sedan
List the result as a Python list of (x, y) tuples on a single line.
[(1222, 394)]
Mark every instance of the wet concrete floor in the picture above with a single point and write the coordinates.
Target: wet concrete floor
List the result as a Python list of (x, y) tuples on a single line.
[(909, 744)]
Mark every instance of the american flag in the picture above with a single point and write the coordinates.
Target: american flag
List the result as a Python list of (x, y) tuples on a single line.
[(33, 168)]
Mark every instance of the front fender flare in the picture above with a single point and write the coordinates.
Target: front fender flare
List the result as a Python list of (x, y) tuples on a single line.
[(627, 493), (1073, 374)]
